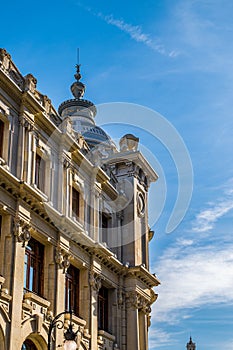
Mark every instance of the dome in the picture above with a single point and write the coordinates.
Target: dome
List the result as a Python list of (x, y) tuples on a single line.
[(82, 113), (95, 135)]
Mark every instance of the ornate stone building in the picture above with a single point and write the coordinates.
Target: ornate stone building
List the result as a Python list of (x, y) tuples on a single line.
[(74, 231)]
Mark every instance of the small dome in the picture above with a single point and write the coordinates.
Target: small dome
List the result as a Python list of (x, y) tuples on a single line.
[(82, 113), (95, 135)]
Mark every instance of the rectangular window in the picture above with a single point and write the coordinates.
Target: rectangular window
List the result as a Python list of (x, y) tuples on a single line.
[(103, 309), (33, 267), (75, 203), (40, 172), (1, 137), (105, 224), (72, 289)]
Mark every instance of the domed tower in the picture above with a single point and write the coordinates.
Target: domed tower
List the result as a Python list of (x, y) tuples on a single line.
[(82, 113), (190, 345)]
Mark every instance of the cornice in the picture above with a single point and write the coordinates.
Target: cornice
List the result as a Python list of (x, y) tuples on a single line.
[(144, 275), (135, 157)]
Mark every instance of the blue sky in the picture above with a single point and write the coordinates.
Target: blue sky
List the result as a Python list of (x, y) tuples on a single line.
[(174, 57)]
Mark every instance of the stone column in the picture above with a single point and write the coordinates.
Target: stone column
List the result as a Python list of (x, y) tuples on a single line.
[(20, 153), (62, 259), (84, 309), (120, 217), (95, 284), (132, 321), (143, 330), (6, 249), (21, 236), (94, 224)]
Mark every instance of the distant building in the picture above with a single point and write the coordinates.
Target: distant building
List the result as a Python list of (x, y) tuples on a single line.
[(74, 228), (190, 345)]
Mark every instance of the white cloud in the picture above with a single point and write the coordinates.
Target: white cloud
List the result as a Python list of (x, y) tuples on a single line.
[(159, 337), (206, 219), (134, 31), (192, 277)]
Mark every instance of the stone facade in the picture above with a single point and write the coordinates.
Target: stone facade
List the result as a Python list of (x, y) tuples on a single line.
[(74, 230)]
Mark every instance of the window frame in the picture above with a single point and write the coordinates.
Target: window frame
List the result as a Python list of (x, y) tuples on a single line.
[(75, 203), (72, 289), (40, 172), (103, 307), (34, 267)]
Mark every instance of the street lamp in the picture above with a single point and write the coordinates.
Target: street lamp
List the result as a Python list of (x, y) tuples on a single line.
[(69, 335)]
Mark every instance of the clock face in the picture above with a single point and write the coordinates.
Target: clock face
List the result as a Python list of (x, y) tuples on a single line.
[(140, 204)]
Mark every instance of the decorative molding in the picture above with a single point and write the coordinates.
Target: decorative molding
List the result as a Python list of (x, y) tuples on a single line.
[(136, 301), (26, 123), (95, 281), (132, 300), (30, 83), (62, 259), (120, 297), (22, 230)]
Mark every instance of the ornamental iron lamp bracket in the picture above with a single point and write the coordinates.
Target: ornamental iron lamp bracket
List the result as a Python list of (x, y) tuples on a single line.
[(69, 334)]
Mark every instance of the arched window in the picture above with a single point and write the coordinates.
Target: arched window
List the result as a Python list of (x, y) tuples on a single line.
[(28, 345)]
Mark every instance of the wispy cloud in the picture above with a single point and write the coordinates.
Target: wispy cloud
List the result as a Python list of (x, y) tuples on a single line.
[(192, 277), (207, 218), (195, 273), (160, 337), (134, 31)]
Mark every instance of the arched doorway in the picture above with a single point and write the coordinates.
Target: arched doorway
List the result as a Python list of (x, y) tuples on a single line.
[(28, 345)]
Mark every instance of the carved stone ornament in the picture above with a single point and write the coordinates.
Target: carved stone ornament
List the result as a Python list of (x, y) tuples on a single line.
[(30, 83), (120, 297), (132, 300), (95, 281), (22, 231), (5, 59), (62, 259), (136, 301), (28, 125), (144, 305)]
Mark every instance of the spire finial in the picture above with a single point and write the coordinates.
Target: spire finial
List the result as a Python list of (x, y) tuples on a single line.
[(77, 74), (78, 88)]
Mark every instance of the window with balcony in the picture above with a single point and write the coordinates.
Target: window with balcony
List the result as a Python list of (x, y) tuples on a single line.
[(33, 267), (75, 203), (40, 173), (103, 309), (72, 289), (1, 137)]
